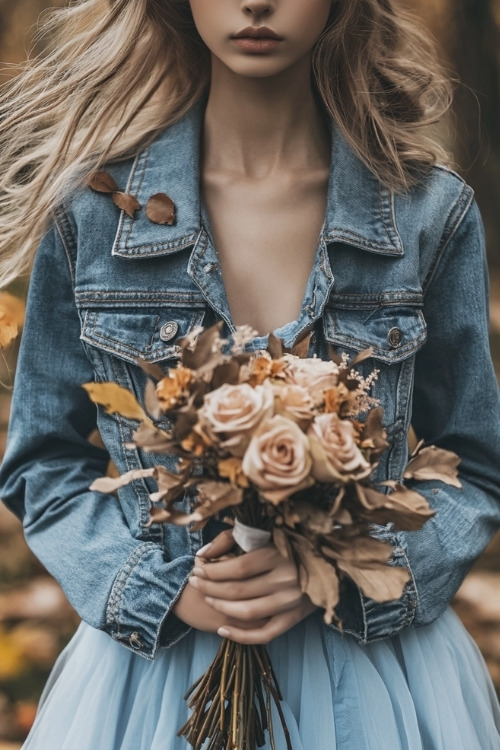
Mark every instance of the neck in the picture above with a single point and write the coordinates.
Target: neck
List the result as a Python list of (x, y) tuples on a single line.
[(257, 126)]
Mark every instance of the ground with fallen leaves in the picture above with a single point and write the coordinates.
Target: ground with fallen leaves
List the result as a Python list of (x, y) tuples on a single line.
[(36, 621)]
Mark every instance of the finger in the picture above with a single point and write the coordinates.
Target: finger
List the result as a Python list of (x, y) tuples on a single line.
[(256, 609), (221, 545), (250, 588), (275, 627), (241, 567)]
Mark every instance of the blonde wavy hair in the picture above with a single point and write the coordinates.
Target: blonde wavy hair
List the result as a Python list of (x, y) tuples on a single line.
[(116, 72)]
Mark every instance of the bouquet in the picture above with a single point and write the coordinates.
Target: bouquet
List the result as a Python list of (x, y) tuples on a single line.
[(282, 447)]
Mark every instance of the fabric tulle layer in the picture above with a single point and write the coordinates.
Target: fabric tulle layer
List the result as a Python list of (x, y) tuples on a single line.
[(427, 689)]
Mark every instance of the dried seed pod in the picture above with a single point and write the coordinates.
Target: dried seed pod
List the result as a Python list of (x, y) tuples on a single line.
[(160, 209)]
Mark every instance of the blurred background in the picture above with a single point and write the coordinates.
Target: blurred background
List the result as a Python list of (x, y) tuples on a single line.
[(35, 619)]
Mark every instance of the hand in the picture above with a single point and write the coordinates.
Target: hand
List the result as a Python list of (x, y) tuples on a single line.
[(258, 593)]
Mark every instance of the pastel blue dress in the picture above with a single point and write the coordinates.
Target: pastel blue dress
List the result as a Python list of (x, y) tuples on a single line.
[(425, 689)]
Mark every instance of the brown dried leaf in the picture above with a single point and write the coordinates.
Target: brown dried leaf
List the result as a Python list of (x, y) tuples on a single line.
[(108, 485), (205, 350), (318, 578), (374, 433), (117, 400), (151, 438), (127, 203), (103, 182), (362, 551), (432, 463), (369, 498), (160, 209), (406, 509), (360, 357), (150, 368), (151, 400), (382, 584), (282, 543), (301, 348), (275, 346)]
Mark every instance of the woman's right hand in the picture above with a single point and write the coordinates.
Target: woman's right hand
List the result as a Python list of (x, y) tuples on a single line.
[(191, 606)]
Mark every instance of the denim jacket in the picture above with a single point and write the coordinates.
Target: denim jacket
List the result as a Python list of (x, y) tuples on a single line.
[(402, 274)]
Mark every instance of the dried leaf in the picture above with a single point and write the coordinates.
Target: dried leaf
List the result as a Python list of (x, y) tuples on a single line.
[(301, 348), (362, 551), (151, 400), (382, 584), (374, 433), (282, 544), (206, 348), (318, 578), (11, 317), (160, 209), (433, 463), (107, 485), (151, 438), (406, 509), (150, 368), (231, 468), (127, 203), (117, 400), (275, 346), (103, 182), (360, 357)]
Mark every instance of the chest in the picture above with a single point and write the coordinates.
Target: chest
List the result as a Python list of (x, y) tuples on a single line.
[(266, 234)]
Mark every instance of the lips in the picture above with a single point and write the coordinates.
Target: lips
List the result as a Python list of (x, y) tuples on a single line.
[(257, 32)]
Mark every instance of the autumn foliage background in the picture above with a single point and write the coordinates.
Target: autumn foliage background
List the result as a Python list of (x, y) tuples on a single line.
[(35, 619)]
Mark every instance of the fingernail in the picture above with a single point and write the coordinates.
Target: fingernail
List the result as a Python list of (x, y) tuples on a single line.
[(198, 571), (209, 600), (193, 580), (203, 550), (224, 632)]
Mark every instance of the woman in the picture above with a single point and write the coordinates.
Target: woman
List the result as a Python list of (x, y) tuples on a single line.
[(306, 199)]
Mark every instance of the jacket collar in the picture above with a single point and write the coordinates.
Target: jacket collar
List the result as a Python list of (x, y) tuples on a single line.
[(360, 210)]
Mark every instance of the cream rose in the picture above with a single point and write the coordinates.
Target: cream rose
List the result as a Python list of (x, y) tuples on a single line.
[(314, 374), (294, 402), (336, 457), (231, 414), (278, 459)]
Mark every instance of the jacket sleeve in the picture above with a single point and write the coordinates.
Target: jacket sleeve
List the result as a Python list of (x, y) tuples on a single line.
[(456, 406), (115, 582)]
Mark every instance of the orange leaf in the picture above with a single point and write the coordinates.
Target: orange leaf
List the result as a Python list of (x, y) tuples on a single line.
[(11, 317), (117, 400), (160, 209)]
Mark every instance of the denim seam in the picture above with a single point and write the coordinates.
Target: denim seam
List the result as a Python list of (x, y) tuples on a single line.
[(455, 218), (386, 208), (115, 598), (62, 222)]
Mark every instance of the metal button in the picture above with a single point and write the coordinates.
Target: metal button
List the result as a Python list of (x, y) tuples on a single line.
[(395, 337), (135, 640), (168, 330)]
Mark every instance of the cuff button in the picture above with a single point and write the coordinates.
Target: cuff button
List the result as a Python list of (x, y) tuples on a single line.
[(135, 640)]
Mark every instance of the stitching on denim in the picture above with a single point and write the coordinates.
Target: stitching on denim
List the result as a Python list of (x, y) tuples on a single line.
[(346, 235), (385, 208), (133, 252), (400, 354), (455, 218), (143, 160), (64, 231), (121, 580)]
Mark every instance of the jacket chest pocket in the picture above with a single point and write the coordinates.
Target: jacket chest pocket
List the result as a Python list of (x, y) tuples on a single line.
[(114, 339), (394, 333)]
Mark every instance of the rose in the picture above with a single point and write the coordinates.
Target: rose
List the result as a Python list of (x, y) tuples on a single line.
[(278, 459), (336, 457), (231, 414), (294, 402), (314, 374)]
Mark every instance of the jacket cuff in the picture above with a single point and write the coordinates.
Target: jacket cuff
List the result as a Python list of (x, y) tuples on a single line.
[(367, 620), (139, 608)]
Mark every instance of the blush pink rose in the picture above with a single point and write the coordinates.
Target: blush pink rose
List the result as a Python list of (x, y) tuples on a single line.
[(294, 402), (314, 374), (336, 457), (278, 459), (231, 414)]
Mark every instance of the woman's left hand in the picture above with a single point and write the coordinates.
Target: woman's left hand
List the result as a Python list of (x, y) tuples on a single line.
[(259, 585)]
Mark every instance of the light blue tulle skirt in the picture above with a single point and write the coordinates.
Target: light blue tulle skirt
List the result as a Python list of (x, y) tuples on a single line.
[(427, 689)]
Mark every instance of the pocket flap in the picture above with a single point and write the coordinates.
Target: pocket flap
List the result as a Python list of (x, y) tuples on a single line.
[(139, 333), (394, 333)]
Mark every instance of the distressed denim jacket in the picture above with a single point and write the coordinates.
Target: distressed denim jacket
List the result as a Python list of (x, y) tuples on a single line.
[(402, 274)]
